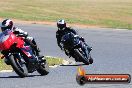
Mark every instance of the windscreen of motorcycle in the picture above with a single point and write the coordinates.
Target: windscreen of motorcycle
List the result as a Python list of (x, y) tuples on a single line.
[(3, 37), (5, 40)]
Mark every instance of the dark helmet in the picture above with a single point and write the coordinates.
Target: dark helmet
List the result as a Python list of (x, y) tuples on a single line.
[(6, 24), (61, 24)]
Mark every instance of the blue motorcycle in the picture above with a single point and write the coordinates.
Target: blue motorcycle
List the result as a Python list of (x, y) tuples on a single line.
[(76, 48)]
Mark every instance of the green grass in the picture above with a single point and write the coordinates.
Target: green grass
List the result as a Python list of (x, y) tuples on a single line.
[(51, 61), (3, 66), (103, 13), (54, 61)]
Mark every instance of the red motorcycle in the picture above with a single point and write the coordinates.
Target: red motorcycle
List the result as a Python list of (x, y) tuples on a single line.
[(20, 55)]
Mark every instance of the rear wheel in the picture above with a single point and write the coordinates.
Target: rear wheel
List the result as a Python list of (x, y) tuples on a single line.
[(19, 67), (43, 68)]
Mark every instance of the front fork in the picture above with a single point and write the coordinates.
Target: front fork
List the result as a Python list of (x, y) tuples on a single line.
[(16, 56), (85, 49), (19, 56)]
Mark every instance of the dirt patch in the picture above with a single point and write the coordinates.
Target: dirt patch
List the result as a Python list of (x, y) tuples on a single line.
[(51, 23), (31, 22), (85, 26)]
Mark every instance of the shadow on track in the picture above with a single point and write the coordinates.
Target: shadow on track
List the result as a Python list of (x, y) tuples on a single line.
[(11, 77), (20, 77), (73, 65)]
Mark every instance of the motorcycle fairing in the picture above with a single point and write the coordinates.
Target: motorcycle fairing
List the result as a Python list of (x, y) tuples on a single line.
[(7, 39)]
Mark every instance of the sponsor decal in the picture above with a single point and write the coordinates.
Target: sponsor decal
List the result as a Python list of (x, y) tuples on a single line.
[(83, 78)]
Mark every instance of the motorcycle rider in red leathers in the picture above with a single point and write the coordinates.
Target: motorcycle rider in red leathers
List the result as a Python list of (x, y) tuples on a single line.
[(7, 24)]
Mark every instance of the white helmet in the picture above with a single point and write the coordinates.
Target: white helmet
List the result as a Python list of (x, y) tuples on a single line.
[(61, 24), (6, 24)]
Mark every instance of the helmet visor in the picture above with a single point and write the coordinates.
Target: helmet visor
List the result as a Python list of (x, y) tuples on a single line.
[(2, 25), (4, 28), (61, 26)]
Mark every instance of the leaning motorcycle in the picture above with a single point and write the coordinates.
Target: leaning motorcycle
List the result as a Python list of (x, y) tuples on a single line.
[(76, 48), (20, 55)]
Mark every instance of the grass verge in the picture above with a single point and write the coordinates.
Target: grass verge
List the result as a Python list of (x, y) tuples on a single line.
[(54, 60), (3, 66), (102, 13), (51, 61)]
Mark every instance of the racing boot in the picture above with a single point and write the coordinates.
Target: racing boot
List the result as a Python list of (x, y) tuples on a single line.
[(37, 50), (88, 47)]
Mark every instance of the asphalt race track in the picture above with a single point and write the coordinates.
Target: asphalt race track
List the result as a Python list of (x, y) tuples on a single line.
[(112, 53)]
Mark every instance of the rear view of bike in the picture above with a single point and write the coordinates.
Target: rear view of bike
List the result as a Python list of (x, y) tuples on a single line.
[(77, 49)]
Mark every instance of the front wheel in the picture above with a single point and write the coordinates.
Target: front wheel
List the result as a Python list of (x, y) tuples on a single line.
[(43, 68), (19, 67), (90, 59), (81, 57)]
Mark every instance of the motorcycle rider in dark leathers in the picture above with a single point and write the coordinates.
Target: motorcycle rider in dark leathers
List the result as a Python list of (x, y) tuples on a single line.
[(7, 24), (62, 30)]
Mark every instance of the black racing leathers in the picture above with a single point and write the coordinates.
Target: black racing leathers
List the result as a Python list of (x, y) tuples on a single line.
[(66, 30), (60, 33)]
